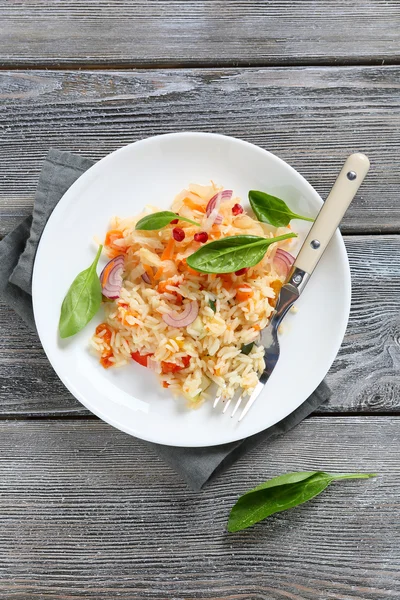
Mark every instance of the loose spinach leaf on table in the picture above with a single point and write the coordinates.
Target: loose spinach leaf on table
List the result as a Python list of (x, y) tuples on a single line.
[(82, 301), (159, 220), (281, 493), (273, 210), (232, 253)]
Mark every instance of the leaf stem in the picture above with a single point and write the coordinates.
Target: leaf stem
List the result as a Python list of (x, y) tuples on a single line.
[(353, 475)]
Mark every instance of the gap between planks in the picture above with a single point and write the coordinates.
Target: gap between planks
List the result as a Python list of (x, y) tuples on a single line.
[(218, 64)]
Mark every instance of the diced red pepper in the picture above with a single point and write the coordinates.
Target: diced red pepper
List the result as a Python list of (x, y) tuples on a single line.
[(167, 367), (141, 358)]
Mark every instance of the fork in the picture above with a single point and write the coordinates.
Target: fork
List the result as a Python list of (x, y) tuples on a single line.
[(345, 188)]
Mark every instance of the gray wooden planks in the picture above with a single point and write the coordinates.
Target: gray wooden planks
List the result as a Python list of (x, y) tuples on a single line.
[(364, 377), (311, 117), (89, 512), (192, 32)]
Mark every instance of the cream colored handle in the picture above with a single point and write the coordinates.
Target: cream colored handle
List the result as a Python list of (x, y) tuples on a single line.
[(345, 188)]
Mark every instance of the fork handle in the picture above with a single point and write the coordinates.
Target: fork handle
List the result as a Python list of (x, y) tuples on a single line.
[(345, 188)]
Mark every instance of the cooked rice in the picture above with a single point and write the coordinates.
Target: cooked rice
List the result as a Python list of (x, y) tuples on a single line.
[(134, 323)]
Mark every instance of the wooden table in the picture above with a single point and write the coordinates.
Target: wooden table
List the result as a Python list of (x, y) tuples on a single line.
[(88, 512)]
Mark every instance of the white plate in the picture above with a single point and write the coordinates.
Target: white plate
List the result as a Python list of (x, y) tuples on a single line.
[(153, 171)]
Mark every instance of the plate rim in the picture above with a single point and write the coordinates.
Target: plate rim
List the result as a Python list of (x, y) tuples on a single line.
[(92, 171)]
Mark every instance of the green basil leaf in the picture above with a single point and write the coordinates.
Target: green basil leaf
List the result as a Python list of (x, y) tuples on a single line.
[(213, 305), (82, 301), (281, 493), (232, 253), (247, 348), (159, 220), (273, 210)]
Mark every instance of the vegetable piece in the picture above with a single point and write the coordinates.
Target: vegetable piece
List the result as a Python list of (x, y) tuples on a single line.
[(215, 201), (106, 336), (231, 254), (237, 209), (82, 300), (159, 220), (247, 348), (178, 234), (194, 205), (213, 305), (146, 278), (281, 493), (111, 236), (175, 222), (227, 282), (162, 289), (167, 367), (273, 210), (104, 331), (111, 277), (183, 319), (283, 262), (201, 237), (168, 251), (141, 359), (244, 292), (242, 271)]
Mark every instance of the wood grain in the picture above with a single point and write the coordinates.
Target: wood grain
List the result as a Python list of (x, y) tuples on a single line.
[(311, 117), (364, 377), (89, 512), (190, 32)]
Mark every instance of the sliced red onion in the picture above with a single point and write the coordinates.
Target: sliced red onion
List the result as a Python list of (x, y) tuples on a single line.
[(146, 278), (112, 284), (217, 199), (183, 319), (283, 262), (212, 210)]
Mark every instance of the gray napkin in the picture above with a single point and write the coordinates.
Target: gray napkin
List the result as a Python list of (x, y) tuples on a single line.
[(17, 253)]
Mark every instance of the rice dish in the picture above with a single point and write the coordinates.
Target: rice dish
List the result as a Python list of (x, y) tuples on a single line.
[(220, 345)]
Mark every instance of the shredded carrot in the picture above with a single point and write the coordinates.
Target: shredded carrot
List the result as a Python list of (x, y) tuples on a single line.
[(111, 236), (162, 289), (158, 274), (226, 281), (194, 206), (169, 250), (190, 270), (162, 286), (244, 292), (256, 327), (165, 384)]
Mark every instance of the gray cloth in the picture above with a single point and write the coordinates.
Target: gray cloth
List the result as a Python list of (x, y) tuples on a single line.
[(17, 253)]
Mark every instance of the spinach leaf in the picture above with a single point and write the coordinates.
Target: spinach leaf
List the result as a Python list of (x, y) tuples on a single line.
[(281, 493), (232, 253), (213, 305), (82, 301), (273, 210), (247, 348), (159, 220)]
